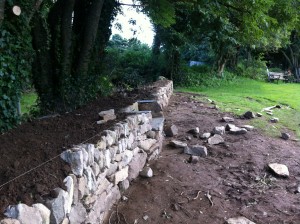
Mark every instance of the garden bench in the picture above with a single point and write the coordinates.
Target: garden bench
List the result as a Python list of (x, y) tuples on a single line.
[(276, 76)]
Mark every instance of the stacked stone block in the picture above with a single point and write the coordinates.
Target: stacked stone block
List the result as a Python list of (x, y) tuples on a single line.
[(101, 172)]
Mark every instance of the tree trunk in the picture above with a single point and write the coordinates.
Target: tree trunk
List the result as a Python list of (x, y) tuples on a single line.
[(221, 65), (66, 33), (2, 7), (89, 37)]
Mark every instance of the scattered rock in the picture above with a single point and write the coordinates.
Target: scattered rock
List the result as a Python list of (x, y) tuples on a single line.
[(248, 127), (238, 131), (124, 185), (107, 115), (274, 120), (145, 217), (259, 114), (227, 119), (205, 135), (215, 140), (178, 144), (279, 169), (146, 172), (239, 220), (219, 130), (188, 138), (211, 101), (194, 131), (124, 198), (285, 136), (196, 150), (249, 115), (175, 207), (228, 127), (171, 130), (194, 159)]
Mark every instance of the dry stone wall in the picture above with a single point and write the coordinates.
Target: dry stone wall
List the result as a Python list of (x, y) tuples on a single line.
[(101, 172)]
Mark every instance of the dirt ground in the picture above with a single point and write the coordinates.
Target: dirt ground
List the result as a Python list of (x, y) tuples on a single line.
[(234, 176)]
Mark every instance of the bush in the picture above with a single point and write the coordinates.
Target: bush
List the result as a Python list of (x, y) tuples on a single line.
[(255, 69), (127, 62), (202, 76)]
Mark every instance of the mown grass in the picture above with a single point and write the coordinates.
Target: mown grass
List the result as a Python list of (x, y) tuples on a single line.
[(246, 94), (28, 101)]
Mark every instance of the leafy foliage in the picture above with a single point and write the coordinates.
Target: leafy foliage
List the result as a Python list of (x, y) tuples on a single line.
[(127, 62), (15, 76), (254, 69)]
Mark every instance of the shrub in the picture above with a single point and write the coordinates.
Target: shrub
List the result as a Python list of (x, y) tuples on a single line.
[(255, 69)]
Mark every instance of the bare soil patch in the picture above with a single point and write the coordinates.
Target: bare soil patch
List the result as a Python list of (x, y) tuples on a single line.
[(233, 180)]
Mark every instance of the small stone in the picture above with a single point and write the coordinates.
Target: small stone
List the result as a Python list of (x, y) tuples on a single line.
[(145, 217), (239, 220), (124, 198), (188, 138), (205, 135), (238, 131), (249, 115), (285, 136), (146, 172), (274, 120), (171, 130), (175, 207), (196, 150), (195, 130), (215, 140), (194, 159), (279, 169), (227, 119), (178, 144), (107, 115), (248, 127), (124, 185), (259, 114), (219, 130), (228, 127)]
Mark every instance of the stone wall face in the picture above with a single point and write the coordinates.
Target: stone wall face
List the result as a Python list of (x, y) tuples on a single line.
[(100, 172)]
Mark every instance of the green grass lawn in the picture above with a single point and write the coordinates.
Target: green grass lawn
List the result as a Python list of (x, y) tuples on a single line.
[(246, 94), (28, 100)]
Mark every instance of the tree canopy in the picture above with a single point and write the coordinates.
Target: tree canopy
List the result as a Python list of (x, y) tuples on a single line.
[(60, 46)]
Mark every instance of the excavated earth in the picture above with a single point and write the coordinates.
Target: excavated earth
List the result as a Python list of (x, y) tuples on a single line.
[(232, 181), (234, 175)]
